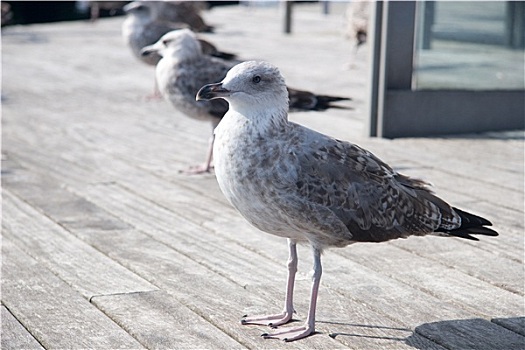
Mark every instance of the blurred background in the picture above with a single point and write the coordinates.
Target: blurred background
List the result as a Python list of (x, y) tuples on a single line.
[(27, 12), (436, 67)]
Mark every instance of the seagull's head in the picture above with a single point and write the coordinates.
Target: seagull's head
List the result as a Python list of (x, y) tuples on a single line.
[(180, 44), (139, 9), (253, 84)]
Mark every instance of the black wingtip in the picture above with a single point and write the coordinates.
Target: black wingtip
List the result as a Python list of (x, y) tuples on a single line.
[(471, 220), (485, 231), (472, 225), (324, 102), (301, 100)]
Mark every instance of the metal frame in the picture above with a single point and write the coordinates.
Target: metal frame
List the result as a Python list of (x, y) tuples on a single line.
[(396, 110)]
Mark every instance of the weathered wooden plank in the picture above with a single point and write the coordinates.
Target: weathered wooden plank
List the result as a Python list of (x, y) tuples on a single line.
[(76, 172), (82, 266), (515, 324), (212, 296), (492, 268), (459, 153), (159, 321), (15, 335), (49, 195), (123, 143), (56, 315), (474, 333), (448, 284)]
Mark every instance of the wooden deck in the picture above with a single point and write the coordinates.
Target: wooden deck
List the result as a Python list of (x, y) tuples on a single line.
[(106, 245)]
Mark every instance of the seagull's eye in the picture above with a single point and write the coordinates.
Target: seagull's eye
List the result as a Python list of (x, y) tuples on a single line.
[(165, 42), (256, 79)]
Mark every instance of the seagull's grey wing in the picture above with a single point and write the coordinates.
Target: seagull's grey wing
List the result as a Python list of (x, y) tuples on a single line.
[(183, 12), (373, 201), (211, 50), (193, 75)]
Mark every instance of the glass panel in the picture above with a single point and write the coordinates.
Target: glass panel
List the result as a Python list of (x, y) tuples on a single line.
[(468, 45)]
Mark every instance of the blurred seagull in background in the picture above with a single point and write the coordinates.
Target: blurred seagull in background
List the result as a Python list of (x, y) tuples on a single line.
[(145, 24)]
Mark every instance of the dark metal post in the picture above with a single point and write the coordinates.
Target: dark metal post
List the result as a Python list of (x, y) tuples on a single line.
[(288, 16)]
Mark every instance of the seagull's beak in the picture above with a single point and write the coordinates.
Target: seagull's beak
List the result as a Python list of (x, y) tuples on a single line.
[(211, 91), (148, 50)]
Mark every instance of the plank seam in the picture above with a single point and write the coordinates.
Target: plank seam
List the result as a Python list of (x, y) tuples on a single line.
[(23, 325)]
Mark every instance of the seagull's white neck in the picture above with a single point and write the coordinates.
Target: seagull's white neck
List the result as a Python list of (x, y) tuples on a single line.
[(267, 118), (179, 54)]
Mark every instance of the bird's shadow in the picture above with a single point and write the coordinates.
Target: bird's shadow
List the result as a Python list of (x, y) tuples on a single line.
[(359, 331), (475, 333)]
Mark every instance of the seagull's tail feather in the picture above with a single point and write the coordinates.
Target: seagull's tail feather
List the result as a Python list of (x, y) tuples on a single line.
[(324, 101), (210, 49), (307, 101), (208, 29), (471, 225)]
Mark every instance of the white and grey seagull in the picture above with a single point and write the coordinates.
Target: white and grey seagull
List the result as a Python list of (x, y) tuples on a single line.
[(145, 24), (297, 183)]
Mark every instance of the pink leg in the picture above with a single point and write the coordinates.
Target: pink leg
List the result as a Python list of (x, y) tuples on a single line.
[(206, 167), (294, 333), (286, 315), (156, 95)]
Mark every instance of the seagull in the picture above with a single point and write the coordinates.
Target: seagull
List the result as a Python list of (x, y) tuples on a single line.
[(184, 11), (145, 25), (113, 7), (184, 68), (294, 182), (180, 73), (358, 16)]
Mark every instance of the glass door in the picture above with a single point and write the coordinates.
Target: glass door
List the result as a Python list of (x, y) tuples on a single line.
[(443, 67), (468, 46)]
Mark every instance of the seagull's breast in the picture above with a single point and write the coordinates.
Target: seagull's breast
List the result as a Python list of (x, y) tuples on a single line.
[(255, 175)]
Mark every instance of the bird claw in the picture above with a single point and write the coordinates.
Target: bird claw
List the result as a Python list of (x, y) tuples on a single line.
[(155, 96), (197, 170), (290, 333), (267, 320)]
